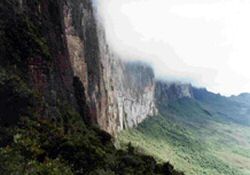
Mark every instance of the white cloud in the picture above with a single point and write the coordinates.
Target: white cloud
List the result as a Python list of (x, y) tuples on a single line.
[(206, 42)]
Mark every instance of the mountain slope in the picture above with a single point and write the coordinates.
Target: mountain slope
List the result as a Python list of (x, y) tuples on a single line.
[(199, 132), (54, 90)]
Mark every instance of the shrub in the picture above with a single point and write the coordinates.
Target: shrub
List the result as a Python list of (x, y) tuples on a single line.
[(15, 98)]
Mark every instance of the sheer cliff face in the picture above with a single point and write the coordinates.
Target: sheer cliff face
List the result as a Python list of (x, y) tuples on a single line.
[(129, 86), (137, 94), (118, 94), (58, 48), (166, 92), (131, 94), (83, 47)]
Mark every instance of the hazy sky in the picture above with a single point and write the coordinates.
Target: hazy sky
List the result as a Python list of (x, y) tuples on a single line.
[(205, 42)]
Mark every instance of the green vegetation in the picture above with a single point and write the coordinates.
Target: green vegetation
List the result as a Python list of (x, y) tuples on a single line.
[(43, 147), (32, 145), (46, 136), (21, 35), (15, 98), (195, 138)]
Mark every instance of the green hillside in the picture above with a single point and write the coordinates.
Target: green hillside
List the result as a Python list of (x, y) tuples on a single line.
[(200, 135)]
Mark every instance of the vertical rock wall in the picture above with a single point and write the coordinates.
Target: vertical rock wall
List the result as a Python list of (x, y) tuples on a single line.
[(59, 48), (82, 41), (129, 86), (119, 94)]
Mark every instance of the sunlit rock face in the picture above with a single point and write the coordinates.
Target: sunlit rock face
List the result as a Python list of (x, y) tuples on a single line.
[(130, 88), (131, 94), (139, 86), (118, 94)]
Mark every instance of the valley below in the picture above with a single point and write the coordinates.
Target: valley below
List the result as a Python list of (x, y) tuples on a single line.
[(201, 134), (72, 104)]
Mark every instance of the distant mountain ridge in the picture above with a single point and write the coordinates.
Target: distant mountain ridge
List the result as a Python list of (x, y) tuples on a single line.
[(234, 108), (242, 98)]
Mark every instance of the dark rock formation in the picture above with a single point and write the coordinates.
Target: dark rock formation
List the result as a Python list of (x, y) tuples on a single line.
[(33, 46), (166, 92)]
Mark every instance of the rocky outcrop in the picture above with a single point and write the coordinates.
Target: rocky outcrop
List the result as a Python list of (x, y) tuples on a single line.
[(166, 92), (137, 94), (132, 94)]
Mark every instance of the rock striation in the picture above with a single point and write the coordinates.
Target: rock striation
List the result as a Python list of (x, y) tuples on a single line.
[(118, 94)]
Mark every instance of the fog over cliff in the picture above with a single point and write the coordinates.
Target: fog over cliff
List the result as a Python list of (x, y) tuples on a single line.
[(204, 42)]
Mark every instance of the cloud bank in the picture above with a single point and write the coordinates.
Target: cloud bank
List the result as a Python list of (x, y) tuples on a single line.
[(204, 42)]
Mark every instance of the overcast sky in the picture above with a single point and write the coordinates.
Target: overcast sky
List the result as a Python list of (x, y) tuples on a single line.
[(204, 42)]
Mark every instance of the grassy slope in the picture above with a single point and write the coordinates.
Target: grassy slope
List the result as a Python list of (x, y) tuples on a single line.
[(196, 137)]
